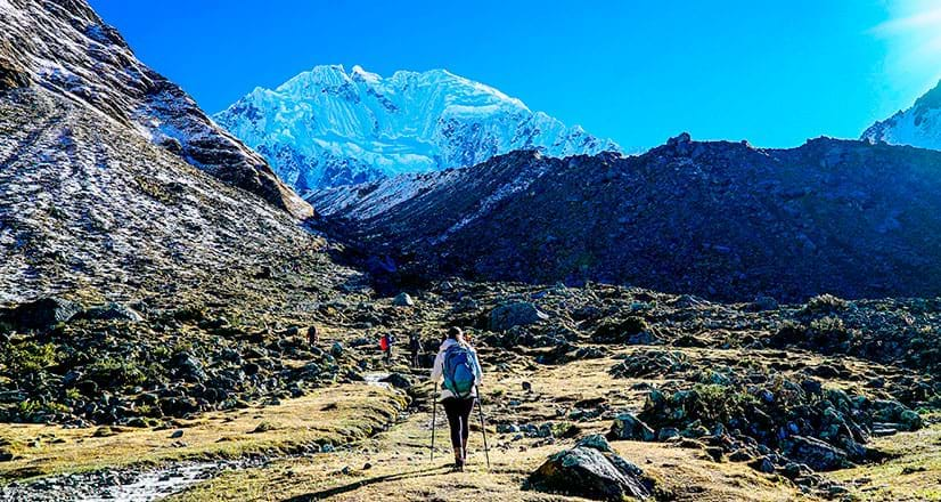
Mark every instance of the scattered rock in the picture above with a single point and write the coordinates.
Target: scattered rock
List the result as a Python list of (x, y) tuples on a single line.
[(513, 314), (633, 330), (591, 469)]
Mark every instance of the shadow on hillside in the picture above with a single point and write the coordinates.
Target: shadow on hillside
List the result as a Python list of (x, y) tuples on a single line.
[(337, 490)]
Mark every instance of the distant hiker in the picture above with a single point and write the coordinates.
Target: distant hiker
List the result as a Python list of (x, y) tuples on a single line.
[(386, 345), (415, 345), (458, 369), (312, 337)]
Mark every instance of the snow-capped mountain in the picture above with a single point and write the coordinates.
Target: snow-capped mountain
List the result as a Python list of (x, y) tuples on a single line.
[(327, 127), (918, 125), (64, 46)]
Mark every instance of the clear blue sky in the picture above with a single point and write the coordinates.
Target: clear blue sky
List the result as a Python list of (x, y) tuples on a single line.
[(774, 73)]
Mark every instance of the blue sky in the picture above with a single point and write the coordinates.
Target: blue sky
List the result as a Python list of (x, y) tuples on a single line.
[(638, 72)]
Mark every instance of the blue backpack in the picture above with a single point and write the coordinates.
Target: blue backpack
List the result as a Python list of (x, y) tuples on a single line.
[(458, 371)]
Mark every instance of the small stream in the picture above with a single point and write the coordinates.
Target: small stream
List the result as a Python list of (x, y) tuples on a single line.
[(132, 484), (123, 484)]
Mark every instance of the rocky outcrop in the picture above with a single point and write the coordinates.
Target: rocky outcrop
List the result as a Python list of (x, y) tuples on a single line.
[(65, 47), (513, 314)]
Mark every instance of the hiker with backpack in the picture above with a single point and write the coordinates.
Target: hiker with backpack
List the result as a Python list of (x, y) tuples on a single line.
[(415, 346), (386, 345), (459, 371)]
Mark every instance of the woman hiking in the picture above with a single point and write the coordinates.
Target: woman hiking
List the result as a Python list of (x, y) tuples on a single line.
[(458, 370)]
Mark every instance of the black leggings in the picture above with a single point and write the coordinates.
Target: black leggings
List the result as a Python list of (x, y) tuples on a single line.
[(458, 412)]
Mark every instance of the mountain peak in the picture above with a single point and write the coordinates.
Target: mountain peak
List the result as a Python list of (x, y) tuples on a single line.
[(327, 127), (918, 125)]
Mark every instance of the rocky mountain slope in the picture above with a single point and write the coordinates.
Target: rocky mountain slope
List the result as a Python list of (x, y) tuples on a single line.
[(117, 255), (719, 219), (64, 46), (328, 127), (919, 125)]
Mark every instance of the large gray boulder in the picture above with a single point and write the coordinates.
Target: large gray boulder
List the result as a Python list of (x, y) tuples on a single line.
[(43, 313), (817, 454), (628, 426), (403, 300), (592, 470), (513, 314)]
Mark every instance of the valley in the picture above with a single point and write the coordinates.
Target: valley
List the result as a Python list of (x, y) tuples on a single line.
[(191, 305)]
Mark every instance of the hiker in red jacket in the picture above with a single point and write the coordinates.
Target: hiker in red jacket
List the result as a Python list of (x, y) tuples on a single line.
[(386, 345)]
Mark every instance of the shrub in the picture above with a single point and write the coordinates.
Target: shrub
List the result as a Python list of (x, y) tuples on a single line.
[(825, 304), (28, 357), (114, 373)]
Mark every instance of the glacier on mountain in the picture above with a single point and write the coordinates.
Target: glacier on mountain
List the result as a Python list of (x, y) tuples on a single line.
[(919, 125), (329, 127)]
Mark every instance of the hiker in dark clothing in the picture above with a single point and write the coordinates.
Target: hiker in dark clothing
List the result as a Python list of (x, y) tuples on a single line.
[(312, 337), (386, 345), (458, 369), (415, 345)]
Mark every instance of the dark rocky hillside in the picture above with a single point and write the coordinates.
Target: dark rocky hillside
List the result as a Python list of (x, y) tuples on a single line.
[(719, 219), (64, 46)]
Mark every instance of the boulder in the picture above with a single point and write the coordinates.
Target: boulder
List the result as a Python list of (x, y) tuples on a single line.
[(592, 470), (398, 380), (112, 312), (628, 426), (403, 300), (817, 454), (178, 406), (513, 314), (188, 367), (44, 313), (633, 330)]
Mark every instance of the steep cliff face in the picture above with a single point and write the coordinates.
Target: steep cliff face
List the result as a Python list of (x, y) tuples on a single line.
[(919, 125), (64, 47), (719, 219), (327, 127)]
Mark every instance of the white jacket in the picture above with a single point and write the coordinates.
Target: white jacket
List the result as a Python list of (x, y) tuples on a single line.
[(439, 367)]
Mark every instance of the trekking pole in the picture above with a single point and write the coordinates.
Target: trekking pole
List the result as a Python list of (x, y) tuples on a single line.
[(487, 455), (434, 409)]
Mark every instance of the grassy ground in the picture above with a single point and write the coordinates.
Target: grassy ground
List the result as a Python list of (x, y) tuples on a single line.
[(913, 475), (395, 465), (332, 415)]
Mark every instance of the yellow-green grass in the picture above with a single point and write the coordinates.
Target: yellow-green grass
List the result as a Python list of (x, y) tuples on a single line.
[(400, 468), (335, 415), (912, 474)]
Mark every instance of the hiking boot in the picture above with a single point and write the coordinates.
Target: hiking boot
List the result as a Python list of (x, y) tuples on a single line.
[(459, 461)]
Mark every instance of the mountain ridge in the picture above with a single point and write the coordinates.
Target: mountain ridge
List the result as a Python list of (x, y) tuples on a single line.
[(719, 219), (65, 46)]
